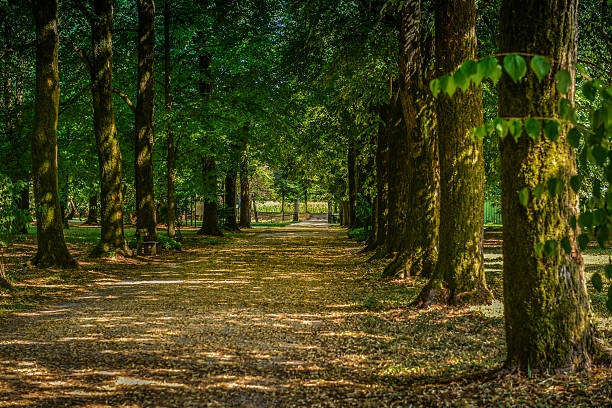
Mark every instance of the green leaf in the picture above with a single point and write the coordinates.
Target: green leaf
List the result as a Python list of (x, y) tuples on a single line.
[(539, 249), (566, 110), (573, 222), (609, 201), (550, 248), (583, 241), (573, 137), (552, 129), (576, 183), (540, 66), (533, 127), (599, 155), (599, 217), (564, 81), (566, 245), (470, 70), (589, 91), (497, 73), (555, 186), (609, 271), (448, 85), (501, 127), (524, 196), (434, 86), (461, 81), (515, 66), (479, 132), (487, 67), (539, 190), (609, 302), (586, 219), (516, 128), (597, 281)]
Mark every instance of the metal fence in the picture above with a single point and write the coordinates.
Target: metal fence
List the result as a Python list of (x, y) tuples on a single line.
[(492, 213)]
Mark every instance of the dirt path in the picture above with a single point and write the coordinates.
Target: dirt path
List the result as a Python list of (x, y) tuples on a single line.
[(284, 318)]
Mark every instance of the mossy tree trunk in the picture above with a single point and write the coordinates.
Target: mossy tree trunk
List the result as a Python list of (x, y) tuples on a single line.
[(245, 194), (352, 183), (460, 267), (145, 196), (382, 178), (52, 250), (230, 199), (107, 142), (171, 154), (417, 168), (547, 313), (92, 209)]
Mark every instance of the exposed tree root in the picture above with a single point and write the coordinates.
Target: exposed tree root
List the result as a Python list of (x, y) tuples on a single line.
[(64, 261), (396, 268), (103, 249)]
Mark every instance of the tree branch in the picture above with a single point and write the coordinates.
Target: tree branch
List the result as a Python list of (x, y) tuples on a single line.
[(79, 52)]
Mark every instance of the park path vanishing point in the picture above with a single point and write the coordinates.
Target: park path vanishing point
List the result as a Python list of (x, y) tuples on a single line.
[(286, 317)]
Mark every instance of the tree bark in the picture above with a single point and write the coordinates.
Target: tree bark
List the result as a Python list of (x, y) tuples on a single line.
[(352, 188), (230, 200), (171, 158), (143, 176), (413, 195), (92, 210), (382, 180), (107, 143), (245, 195), (52, 250), (210, 223), (296, 210), (460, 267), (547, 312)]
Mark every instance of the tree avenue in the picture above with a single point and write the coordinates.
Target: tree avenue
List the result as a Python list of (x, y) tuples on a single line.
[(459, 149)]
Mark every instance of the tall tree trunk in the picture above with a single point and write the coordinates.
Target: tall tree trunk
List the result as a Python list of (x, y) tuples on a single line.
[(52, 250), (23, 204), (283, 205), (255, 210), (382, 180), (171, 158), (547, 313), (460, 267), (92, 210), (210, 223), (143, 176), (418, 248), (296, 210), (245, 195), (352, 188), (230, 200), (107, 142)]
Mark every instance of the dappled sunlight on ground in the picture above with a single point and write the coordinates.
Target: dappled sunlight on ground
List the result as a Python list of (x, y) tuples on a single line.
[(296, 318)]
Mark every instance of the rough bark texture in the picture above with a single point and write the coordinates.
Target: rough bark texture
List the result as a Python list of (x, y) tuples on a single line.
[(245, 194), (107, 142), (296, 210), (52, 250), (230, 200), (92, 210), (210, 224), (23, 205), (143, 176), (460, 267), (171, 158), (417, 167), (352, 186), (545, 301), (382, 180)]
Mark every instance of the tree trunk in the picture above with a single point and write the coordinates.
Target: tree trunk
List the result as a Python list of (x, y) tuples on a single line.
[(92, 210), (107, 142), (23, 204), (414, 166), (382, 182), (210, 223), (352, 188), (283, 206), (460, 267), (296, 210), (245, 196), (547, 313), (52, 250), (230, 200), (143, 176), (306, 200), (255, 210), (171, 158)]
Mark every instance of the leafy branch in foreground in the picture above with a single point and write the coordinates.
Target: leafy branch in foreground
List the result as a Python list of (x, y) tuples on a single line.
[(594, 137)]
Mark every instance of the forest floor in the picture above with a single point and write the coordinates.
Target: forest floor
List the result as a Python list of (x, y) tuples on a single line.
[(278, 317)]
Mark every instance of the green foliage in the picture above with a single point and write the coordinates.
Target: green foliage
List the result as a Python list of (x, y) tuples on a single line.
[(595, 221), (359, 234)]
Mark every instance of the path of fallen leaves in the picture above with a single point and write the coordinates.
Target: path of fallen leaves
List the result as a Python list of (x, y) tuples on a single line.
[(289, 317)]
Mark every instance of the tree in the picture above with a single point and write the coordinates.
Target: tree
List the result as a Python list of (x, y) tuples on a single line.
[(413, 194), (460, 267), (52, 250), (245, 194), (107, 142), (547, 313), (171, 155), (143, 176)]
